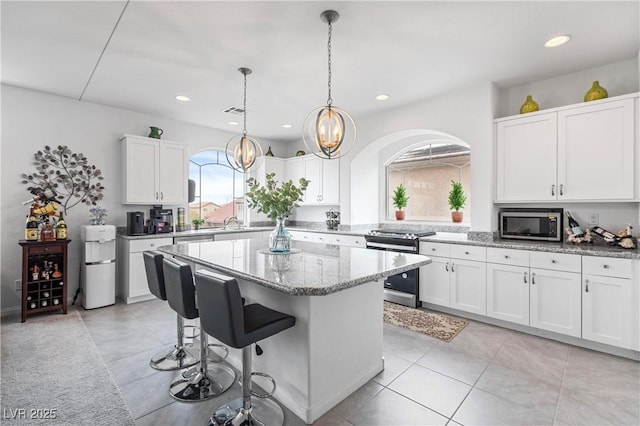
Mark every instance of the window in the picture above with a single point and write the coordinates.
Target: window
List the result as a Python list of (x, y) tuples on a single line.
[(427, 173), (219, 191)]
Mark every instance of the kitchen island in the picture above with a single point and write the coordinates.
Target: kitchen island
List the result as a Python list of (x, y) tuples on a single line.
[(335, 293)]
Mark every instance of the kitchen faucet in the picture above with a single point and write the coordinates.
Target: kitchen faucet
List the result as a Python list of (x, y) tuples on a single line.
[(227, 221)]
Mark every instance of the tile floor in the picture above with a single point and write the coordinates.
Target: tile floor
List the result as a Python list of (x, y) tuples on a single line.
[(486, 376)]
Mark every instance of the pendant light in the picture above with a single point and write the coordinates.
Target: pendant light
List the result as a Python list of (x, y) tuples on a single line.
[(244, 152), (329, 131)]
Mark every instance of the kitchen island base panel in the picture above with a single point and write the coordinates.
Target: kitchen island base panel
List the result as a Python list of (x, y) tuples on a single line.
[(334, 348)]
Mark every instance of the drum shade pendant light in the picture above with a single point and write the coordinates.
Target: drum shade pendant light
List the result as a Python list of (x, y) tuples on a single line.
[(244, 152), (329, 131)]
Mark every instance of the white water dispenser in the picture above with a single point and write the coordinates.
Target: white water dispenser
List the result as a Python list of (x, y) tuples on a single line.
[(98, 267)]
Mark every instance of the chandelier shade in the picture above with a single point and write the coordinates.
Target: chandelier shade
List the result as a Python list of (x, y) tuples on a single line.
[(243, 151)]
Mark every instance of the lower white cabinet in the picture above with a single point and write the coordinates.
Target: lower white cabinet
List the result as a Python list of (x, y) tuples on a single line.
[(132, 275), (327, 238), (468, 291), (434, 281), (609, 308), (508, 292), (224, 236), (555, 301)]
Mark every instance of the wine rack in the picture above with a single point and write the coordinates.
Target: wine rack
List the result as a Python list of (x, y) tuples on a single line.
[(44, 276)]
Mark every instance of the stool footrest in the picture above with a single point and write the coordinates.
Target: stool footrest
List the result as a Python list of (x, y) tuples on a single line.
[(269, 378), (213, 356)]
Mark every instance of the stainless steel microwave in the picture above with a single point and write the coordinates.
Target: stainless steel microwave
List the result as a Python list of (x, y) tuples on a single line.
[(531, 224)]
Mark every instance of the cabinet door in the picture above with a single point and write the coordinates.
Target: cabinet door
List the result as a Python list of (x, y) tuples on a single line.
[(295, 171), (313, 172), (468, 286), (174, 174), (596, 138), (555, 301), (138, 285), (141, 173), (508, 293), (330, 182), (434, 281), (607, 310), (526, 158)]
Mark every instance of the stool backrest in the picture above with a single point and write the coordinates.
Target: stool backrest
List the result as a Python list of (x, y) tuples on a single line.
[(155, 273), (221, 310), (181, 293)]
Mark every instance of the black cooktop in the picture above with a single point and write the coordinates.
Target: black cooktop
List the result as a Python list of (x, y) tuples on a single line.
[(400, 233)]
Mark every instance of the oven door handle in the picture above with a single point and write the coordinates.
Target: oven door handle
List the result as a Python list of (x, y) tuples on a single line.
[(393, 247)]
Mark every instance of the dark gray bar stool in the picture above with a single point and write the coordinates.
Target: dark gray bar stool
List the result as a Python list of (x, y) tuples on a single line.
[(224, 317), (209, 379), (179, 356)]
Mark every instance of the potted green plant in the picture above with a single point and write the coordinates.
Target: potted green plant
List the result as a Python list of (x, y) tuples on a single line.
[(197, 223), (400, 200), (277, 202), (457, 200)]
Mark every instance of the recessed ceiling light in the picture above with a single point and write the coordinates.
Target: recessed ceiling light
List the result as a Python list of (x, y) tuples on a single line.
[(382, 97), (233, 123), (287, 126), (183, 98), (558, 40)]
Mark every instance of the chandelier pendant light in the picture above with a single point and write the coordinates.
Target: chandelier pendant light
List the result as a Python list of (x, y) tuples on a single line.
[(244, 152), (329, 132)]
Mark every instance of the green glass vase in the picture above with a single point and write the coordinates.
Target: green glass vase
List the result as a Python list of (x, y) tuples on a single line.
[(529, 105), (596, 92)]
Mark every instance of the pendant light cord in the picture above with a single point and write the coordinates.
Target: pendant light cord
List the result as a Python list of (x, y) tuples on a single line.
[(244, 107), (329, 100)]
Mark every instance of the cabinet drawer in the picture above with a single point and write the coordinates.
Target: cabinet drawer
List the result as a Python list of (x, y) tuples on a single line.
[(435, 249), (349, 240), (508, 256), (606, 266), (148, 244), (476, 253), (555, 261), (44, 250)]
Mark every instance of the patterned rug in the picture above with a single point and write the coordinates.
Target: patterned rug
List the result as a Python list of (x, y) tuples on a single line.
[(432, 324)]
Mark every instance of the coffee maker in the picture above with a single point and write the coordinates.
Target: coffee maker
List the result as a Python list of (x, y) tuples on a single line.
[(135, 223), (160, 220)]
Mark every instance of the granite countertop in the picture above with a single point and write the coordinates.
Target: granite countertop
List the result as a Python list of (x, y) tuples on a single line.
[(193, 233), (581, 249), (312, 269)]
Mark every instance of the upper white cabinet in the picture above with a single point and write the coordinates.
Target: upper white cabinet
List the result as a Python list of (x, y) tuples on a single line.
[(324, 177), (155, 171), (270, 165), (557, 155)]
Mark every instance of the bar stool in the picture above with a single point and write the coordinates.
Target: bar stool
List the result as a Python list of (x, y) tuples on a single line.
[(179, 356), (208, 379), (240, 326)]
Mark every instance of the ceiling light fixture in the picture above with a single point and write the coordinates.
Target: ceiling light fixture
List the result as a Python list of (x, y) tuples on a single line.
[(558, 40), (183, 98), (329, 131), (287, 126), (233, 123), (243, 152), (382, 97)]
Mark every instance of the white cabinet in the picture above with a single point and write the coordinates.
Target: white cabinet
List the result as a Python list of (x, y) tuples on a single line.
[(456, 277), (270, 165), (554, 155), (224, 236), (555, 294), (133, 286), (508, 285), (155, 171), (323, 176), (328, 238), (609, 308)]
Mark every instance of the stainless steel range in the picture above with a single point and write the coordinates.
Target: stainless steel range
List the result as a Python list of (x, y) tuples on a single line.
[(401, 288)]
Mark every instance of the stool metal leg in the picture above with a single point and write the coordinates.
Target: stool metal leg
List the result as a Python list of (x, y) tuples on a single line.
[(247, 410), (176, 358), (208, 381)]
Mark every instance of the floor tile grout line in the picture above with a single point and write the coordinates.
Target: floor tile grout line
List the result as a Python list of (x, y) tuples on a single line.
[(564, 372)]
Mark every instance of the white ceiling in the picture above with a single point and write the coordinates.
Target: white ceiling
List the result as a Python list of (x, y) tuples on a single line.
[(410, 50)]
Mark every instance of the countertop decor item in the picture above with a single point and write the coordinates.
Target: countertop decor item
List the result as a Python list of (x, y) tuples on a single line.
[(155, 132), (529, 105), (329, 131), (66, 175), (244, 152), (300, 153), (457, 200), (269, 153), (596, 92), (276, 202), (197, 223), (98, 215), (400, 201)]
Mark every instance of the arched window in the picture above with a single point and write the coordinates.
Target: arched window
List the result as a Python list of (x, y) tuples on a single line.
[(219, 191), (427, 172)]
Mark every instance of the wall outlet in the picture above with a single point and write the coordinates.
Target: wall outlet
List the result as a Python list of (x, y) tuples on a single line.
[(594, 219), (18, 285)]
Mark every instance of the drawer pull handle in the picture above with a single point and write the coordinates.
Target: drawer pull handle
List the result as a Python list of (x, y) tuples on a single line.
[(586, 286), (533, 278), (506, 256), (561, 189), (452, 265), (466, 252), (525, 277), (553, 190), (433, 249), (605, 266), (554, 261), (446, 266)]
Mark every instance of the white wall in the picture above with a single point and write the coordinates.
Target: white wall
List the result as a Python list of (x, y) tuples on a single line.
[(32, 120)]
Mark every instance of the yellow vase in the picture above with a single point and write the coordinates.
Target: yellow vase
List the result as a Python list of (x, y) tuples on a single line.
[(529, 106), (596, 92)]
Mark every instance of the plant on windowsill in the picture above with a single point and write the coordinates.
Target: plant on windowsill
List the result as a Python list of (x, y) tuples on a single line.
[(457, 200), (197, 223), (400, 200), (276, 202)]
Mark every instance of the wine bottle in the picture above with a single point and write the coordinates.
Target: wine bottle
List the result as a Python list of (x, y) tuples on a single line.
[(609, 237), (61, 228), (31, 228), (44, 303), (32, 305), (56, 301), (575, 226), (45, 294)]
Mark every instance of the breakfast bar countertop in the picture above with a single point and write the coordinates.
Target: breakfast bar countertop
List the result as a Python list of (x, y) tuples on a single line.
[(310, 269)]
